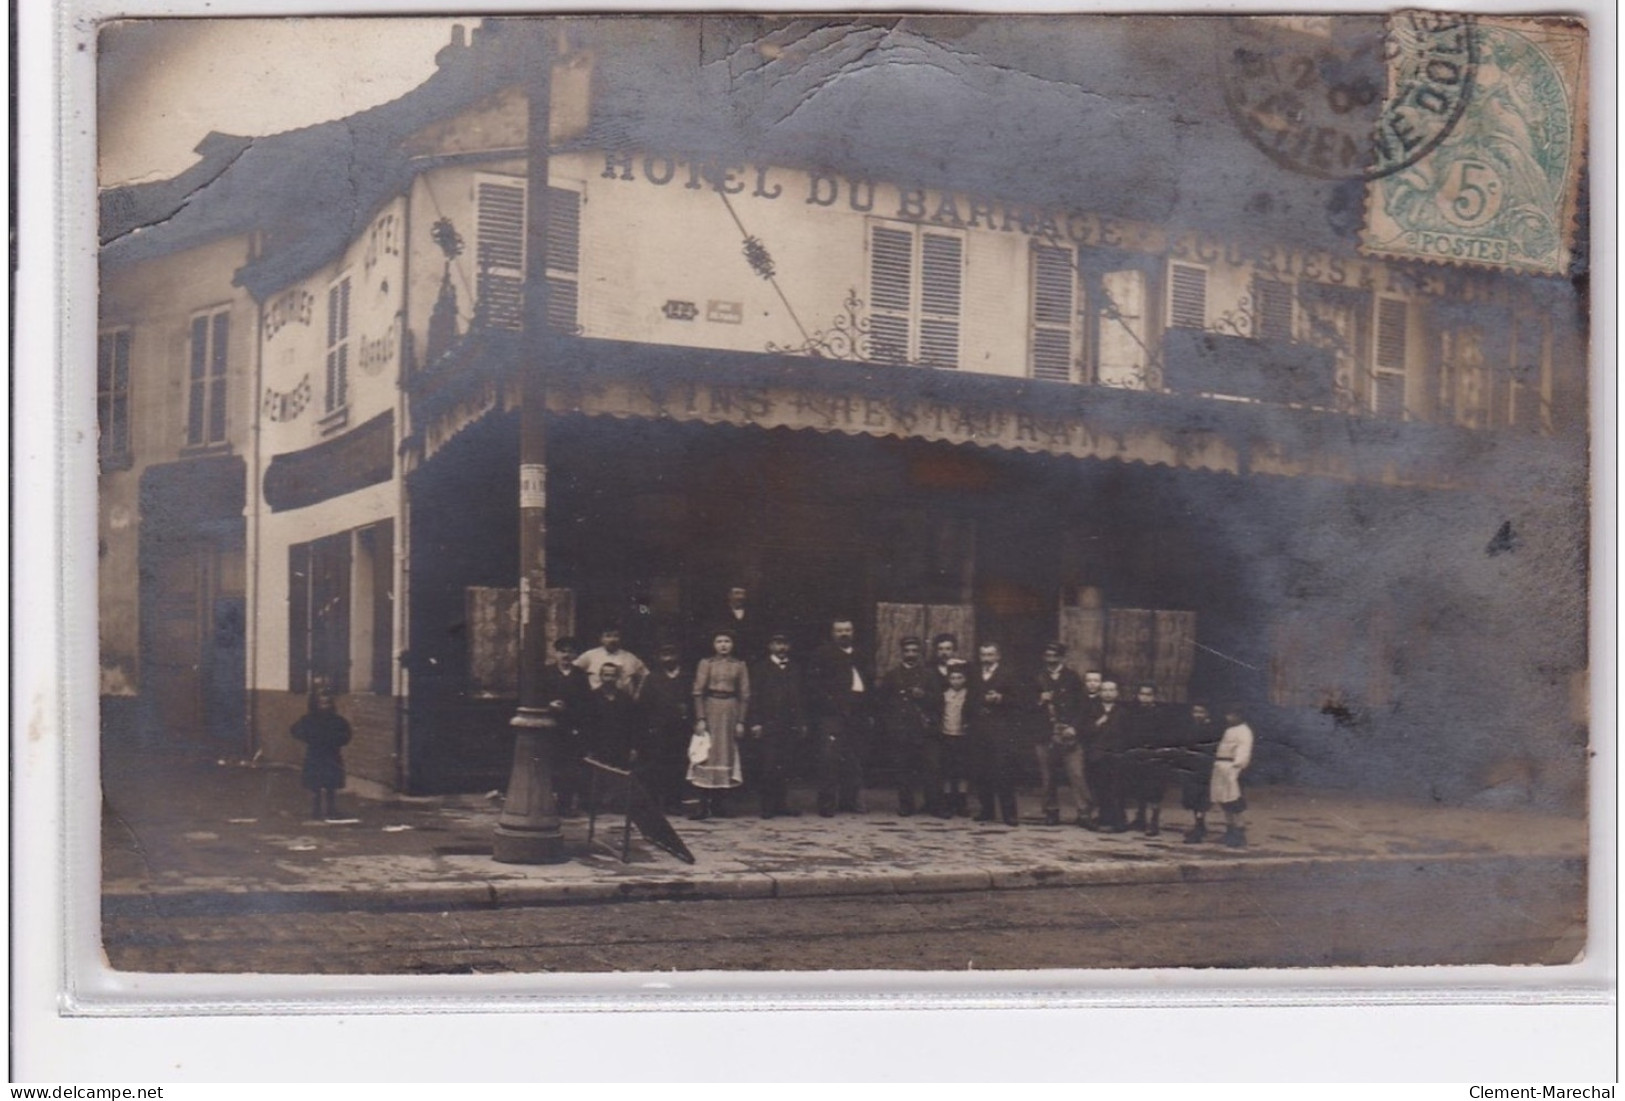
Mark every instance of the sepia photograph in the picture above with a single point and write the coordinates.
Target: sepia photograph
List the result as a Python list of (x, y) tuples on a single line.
[(760, 493)]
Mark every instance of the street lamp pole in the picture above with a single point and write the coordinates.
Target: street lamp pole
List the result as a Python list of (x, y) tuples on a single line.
[(528, 831)]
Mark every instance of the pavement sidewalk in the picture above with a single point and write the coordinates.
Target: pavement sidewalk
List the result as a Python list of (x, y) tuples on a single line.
[(183, 835)]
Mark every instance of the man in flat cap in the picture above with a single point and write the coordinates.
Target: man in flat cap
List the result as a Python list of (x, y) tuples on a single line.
[(906, 706), (1059, 694), (778, 723)]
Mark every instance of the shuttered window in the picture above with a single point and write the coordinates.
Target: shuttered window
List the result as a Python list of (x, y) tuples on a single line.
[(916, 283), (113, 397), (500, 254), (1272, 310), (1388, 381), (1187, 296), (206, 379), (891, 292), (1055, 314), (942, 266), (337, 392)]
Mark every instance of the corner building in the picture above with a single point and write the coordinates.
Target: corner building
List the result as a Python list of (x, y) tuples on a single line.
[(971, 381)]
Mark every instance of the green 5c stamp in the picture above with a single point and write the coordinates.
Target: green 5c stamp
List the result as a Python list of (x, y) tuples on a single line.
[(1499, 188)]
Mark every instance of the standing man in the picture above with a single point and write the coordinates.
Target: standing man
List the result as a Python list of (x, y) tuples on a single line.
[(1089, 709), (1199, 740), (840, 702), (629, 665), (905, 715), (1060, 695), (1145, 769), (614, 725), (778, 723), (668, 705), (944, 652), (742, 619), (564, 692), (996, 706), (1110, 733)]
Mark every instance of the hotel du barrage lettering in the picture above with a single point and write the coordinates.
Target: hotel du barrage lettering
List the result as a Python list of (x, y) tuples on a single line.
[(936, 345)]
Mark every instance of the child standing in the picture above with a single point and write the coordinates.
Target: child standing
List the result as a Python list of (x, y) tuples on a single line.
[(1235, 753), (324, 732)]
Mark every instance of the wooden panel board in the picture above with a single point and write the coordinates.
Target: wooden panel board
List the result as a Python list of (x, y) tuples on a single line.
[(1174, 653), (958, 620), (893, 623), (1083, 633), (1128, 647), (492, 616)]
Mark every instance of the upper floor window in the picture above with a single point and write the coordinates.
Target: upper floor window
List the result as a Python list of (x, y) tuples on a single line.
[(337, 391), (916, 281), (500, 253), (1057, 332), (1494, 373), (1389, 374), (113, 397), (1273, 310), (206, 379), (1187, 296)]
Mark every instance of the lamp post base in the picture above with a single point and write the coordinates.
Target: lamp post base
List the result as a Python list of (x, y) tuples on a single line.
[(528, 830)]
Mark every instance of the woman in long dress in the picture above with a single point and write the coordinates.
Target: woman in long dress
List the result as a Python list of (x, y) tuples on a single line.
[(721, 698)]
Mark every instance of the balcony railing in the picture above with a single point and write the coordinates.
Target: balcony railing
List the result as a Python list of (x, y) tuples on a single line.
[(1196, 361)]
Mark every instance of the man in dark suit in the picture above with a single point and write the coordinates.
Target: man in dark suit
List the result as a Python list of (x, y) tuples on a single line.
[(614, 727), (668, 705), (839, 693), (1108, 739), (906, 703), (997, 703), (564, 693), (741, 617), (1060, 694), (777, 722)]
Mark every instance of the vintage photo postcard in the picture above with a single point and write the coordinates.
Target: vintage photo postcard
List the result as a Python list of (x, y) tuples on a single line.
[(753, 494)]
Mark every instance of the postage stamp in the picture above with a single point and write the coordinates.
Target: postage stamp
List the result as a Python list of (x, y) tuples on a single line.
[(1500, 185)]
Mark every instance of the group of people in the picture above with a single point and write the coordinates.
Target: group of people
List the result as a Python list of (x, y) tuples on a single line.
[(950, 729)]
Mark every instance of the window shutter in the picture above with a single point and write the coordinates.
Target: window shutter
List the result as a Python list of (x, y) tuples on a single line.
[(220, 332), (563, 229), (941, 275), (1052, 313), (563, 258), (197, 380), (1391, 335), (338, 345), (500, 252), (891, 256), (1272, 309), (1389, 396), (1187, 296)]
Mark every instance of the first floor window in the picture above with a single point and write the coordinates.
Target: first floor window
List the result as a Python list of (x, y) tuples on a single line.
[(916, 279), (499, 252), (1389, 372), (113, 397), (206, 379), (337, 393)]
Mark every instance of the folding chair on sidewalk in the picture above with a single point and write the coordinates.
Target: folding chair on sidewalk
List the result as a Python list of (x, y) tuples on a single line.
[(635, 806)]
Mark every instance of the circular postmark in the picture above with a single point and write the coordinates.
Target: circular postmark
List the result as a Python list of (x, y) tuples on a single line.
[(1349, 97)]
